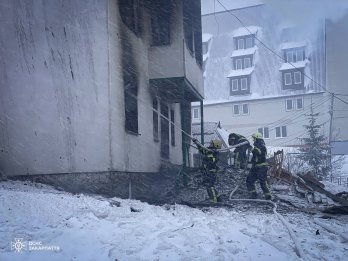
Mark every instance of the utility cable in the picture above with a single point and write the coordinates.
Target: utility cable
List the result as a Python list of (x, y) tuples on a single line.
[(269, 49)]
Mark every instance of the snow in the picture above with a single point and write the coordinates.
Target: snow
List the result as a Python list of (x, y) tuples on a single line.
[(242, 72), (205, 56), (334, 188), (90, 228), (244, 31), (289, 66), (206, 37), (291, 45), (241, 52)]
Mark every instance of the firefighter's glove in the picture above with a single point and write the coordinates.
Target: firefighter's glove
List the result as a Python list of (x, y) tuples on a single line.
[(249, 166)]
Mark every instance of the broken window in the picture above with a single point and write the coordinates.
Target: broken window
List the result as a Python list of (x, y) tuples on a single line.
[(155, 119), (160, 22), (193, 28), (172, 127), (130, 12), (130, 84)]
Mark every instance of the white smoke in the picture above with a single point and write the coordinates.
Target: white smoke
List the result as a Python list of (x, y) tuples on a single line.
[(308, 15)]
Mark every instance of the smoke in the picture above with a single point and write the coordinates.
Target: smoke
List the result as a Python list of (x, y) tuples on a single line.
[(308, 15)]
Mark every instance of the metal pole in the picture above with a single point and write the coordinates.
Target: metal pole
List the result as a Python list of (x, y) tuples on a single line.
[(202, 123), (330, 132)]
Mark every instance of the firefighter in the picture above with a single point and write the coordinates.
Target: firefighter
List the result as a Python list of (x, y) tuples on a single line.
[(259, 168), (240, 153), (209, 167)]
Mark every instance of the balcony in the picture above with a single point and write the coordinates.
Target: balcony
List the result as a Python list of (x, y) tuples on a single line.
[(173, 71)]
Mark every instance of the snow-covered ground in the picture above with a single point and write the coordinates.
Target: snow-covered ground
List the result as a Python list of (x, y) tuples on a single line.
[(81, 227)]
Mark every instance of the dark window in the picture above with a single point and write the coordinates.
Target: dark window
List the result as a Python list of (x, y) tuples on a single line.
[(196, 112), (297, 77), (249, 42), (205, 47), (155, 119), (164, 131), (193, 28), (287, 78), (236, 109), (245, 108), (281, 132), (240, 43), (247, 62), (264, 132), (244, 84), (293, 56), (172, 127), (239, 64), (299, 103), (233, 86), (289, 105), (130, 12), (160, 22)]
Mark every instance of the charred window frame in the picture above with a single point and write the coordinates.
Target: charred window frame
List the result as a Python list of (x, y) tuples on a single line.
[(130, 85), (155, 119), (131, 103), (131, 15), (193, 29), (161, 11), (172, 127)]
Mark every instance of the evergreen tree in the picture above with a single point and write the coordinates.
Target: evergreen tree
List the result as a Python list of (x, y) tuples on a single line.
[(316, 150)]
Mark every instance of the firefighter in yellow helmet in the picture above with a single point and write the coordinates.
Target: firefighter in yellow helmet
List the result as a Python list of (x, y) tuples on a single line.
[(259, 168), (209, 167), (240, 153)]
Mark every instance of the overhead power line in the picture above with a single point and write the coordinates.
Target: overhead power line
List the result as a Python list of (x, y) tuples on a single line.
[(274, 52)]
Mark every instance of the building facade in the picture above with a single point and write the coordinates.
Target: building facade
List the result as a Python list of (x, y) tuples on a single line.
[(97, 86), (337, 66), (263, 74)]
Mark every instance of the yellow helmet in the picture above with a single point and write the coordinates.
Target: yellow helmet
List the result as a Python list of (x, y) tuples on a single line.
[(216, 144), (257, 135)]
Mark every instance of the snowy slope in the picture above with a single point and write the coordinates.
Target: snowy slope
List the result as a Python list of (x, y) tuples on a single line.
[(90, 228)]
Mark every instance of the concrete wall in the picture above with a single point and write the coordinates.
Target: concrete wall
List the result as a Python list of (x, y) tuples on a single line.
[(337, 67), (271, 113), (61, 91), (54, 96)]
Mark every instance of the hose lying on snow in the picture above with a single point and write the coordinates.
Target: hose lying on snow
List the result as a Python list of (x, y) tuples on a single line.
[(344, 236)]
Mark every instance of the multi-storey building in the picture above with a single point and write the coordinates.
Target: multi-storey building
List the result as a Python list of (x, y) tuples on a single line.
[(262, 74), (97, 86)]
